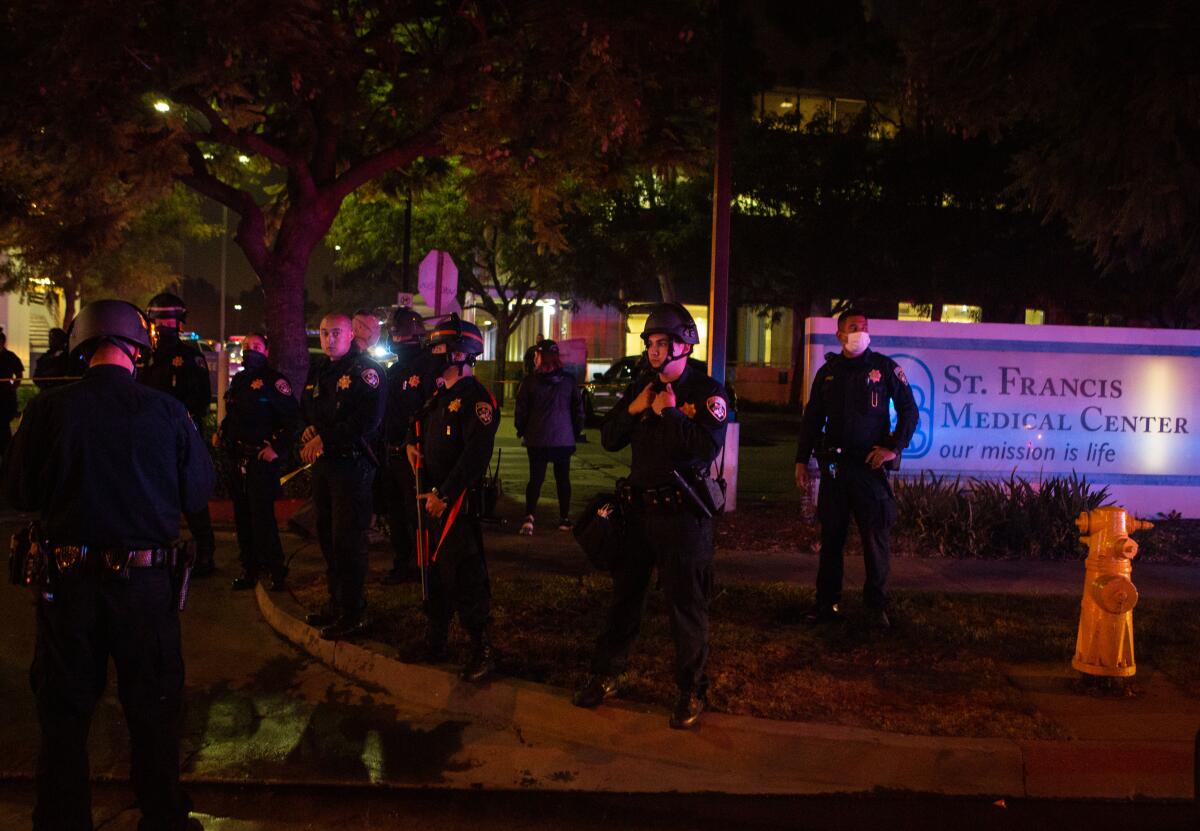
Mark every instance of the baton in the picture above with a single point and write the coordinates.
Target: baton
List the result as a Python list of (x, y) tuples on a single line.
[(422, 538), (287, 477)]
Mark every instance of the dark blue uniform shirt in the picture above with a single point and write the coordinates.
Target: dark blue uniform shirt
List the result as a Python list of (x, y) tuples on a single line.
[(458, 431), (345, 404), (685, 437), (848, 407), (259, 407), (108, 462), (178, 368)]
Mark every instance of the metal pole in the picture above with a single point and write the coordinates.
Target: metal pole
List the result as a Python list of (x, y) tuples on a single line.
[(406, 280), (718, 292), (224, 240)]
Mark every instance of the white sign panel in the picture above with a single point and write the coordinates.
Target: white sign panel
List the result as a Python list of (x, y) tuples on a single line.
[(437, 280), (1119, 406)]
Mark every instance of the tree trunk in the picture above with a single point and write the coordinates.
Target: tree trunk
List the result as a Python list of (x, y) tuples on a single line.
[(283, 277), (70, 287), (502, 335)]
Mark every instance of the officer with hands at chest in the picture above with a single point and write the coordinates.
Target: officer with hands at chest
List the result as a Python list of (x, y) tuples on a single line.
[(344, 410), (410, 383), (848, 426), (179, 369), (109, 464), (262, 421), (675, 421), (452, 440)]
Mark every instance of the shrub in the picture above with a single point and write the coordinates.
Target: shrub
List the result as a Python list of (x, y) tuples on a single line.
[(992, 519)]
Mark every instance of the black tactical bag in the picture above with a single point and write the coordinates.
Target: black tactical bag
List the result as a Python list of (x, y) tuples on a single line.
[(600, 531)]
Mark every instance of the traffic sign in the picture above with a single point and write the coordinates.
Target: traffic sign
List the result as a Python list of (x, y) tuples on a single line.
[(437, 280)]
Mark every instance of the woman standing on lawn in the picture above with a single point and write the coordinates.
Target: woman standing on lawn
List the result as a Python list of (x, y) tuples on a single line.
[(549, 416)]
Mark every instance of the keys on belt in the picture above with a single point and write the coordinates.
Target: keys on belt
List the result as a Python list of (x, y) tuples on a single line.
[(70, 558)]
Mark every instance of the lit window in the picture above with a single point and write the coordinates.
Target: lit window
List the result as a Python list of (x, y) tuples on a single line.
[(915, 311), (1035, 317), (959, 313)]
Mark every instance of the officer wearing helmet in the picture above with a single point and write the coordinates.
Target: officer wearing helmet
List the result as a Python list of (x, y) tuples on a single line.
[(178, 368), (452, 440), (344, 409), (674, 420), (109, 465), (410, 383)]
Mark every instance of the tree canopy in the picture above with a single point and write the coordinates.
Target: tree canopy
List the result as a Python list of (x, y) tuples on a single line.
[(326, 96), (1101, 101)]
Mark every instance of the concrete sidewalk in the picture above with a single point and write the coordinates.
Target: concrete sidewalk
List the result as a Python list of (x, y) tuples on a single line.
[(1121, 748)]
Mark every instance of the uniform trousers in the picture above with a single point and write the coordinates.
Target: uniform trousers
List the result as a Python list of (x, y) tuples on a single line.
[(400, 495), (342, 499), (864, 494), (254, 487), (680, 544), (134, 619), (200, 525), (459, 577)]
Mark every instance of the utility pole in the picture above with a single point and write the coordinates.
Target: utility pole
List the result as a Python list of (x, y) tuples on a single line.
[(718, 292)]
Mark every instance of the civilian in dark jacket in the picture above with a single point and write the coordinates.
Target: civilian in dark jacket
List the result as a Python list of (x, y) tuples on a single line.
[(549, 416)]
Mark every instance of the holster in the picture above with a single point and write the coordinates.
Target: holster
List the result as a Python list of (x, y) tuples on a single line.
[(711, 491), (183, 558), (27, 558)]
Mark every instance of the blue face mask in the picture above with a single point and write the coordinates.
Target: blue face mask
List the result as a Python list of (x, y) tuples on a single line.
[(252, 359)]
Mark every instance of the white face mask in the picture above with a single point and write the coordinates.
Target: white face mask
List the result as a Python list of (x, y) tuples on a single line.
[(857, 342)]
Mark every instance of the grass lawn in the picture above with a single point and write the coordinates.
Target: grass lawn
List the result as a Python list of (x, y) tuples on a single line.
[(939, 672)]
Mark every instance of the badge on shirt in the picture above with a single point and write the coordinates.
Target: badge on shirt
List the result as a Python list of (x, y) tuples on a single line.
[(484, 412), (454, 405), (413, 382), (874, 376), (283, 387), (688, 409), (371, 376), (177, 360), (256, 384), (716, 406), (344, 382), (900, 374)]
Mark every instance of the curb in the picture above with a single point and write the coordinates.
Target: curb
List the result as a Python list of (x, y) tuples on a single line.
[(631, 750)]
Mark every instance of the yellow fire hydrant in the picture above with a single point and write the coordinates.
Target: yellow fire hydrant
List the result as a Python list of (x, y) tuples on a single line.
[(1104, 645)]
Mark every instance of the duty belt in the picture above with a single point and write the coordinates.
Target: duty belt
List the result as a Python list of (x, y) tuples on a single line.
[(664, 496), (72, 557)]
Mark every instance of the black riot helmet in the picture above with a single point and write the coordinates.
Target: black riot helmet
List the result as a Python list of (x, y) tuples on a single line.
[(111, 321), (671, 319), (546, 347), (407, 326), (459, 336), (167, 306)]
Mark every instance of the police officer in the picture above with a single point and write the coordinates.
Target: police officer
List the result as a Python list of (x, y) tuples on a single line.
[(55, 366), (344, 410), (262, 421), (452, 439), (410, 383), (109, 464), (674, 420), (847, 424), (179, 369), (11, 370)]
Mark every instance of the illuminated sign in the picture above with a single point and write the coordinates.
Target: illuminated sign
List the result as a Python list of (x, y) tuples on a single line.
[(1119, 406)]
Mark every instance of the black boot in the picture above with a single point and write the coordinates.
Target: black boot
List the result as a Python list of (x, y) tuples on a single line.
[(597, 688), (481, 663), (244, 581), (327, 614), (688, 707), (824, 613), (348, 625)]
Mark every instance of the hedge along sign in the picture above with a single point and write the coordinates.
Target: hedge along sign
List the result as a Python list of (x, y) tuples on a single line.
[(1119, 406)]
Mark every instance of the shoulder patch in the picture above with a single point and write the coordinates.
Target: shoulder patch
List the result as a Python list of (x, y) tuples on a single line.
[(717, 406), (900, 374), (371, 376), (283, 387), (484, 412)]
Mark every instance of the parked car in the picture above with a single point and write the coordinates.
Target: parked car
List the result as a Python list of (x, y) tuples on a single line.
[(606, 388)]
